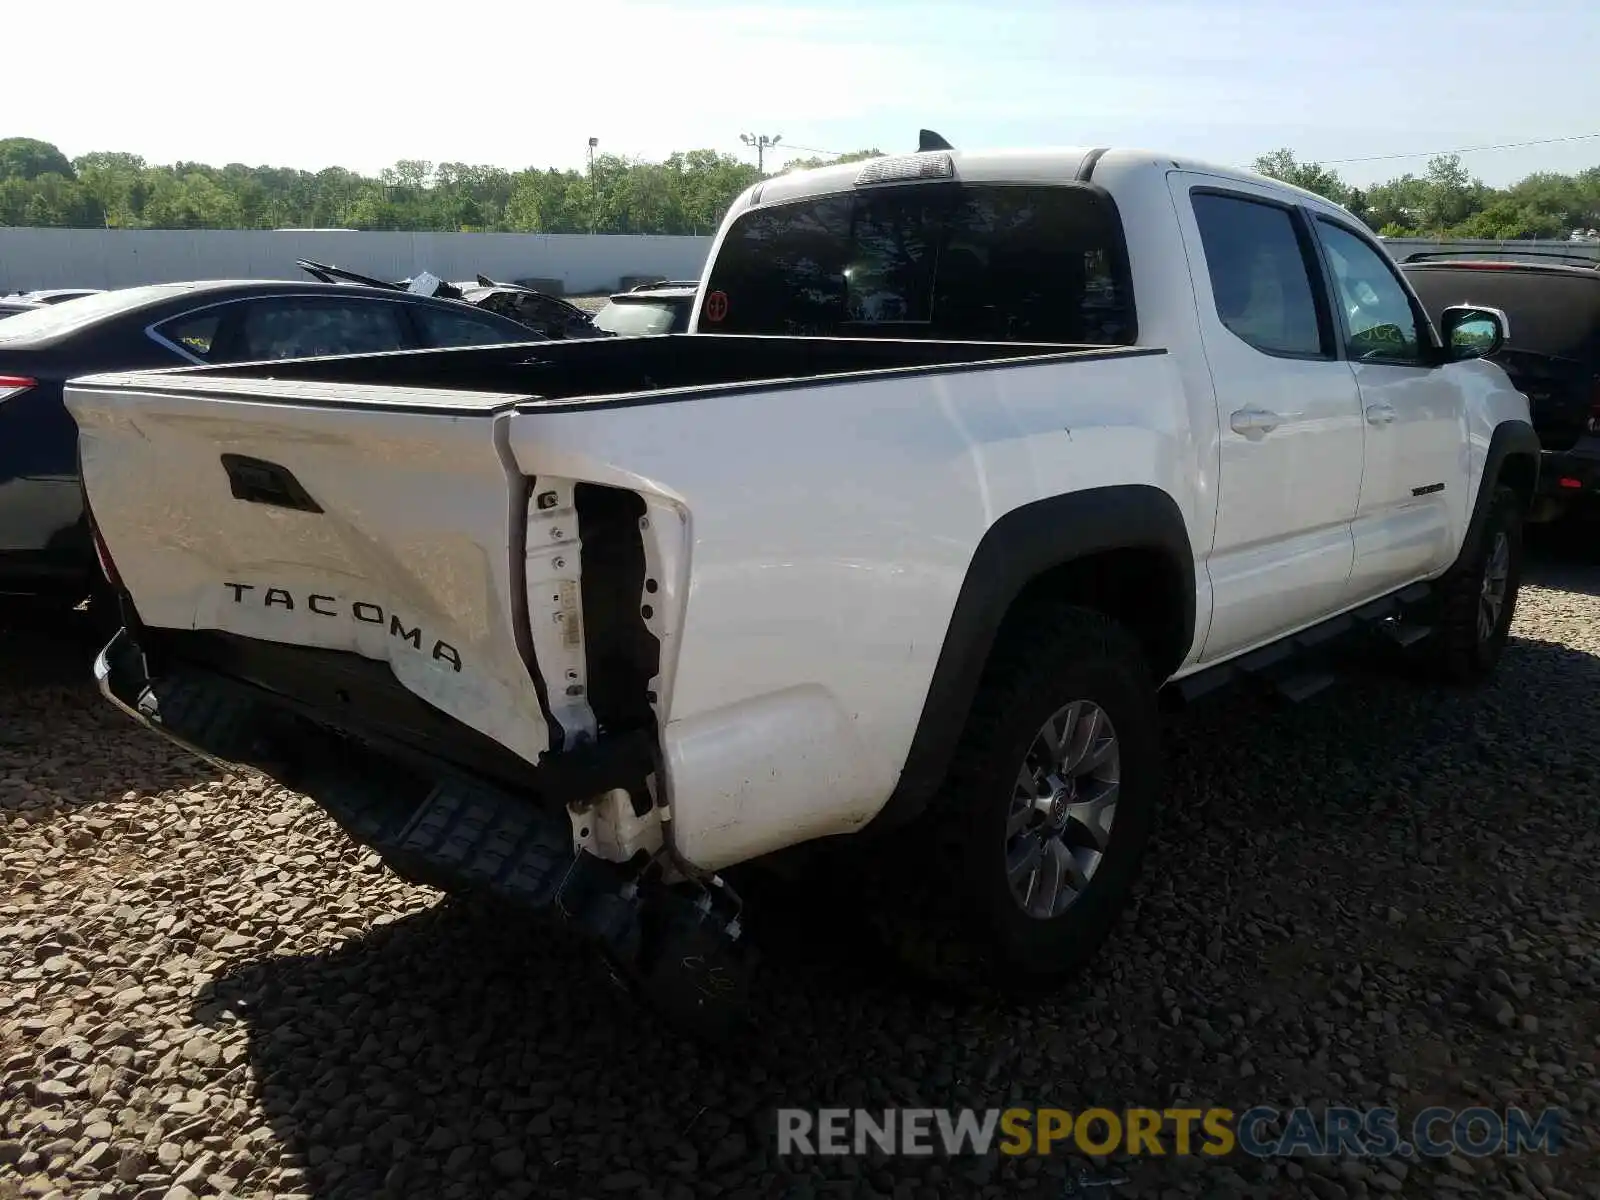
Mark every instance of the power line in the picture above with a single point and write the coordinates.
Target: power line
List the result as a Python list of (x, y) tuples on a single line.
[(1577, 137), (817, 150)]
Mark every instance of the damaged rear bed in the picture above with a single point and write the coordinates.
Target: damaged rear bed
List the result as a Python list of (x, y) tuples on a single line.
[(445, 593)]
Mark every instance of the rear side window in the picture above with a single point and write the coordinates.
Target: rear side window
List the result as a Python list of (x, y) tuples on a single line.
[(1260, 275), (195, 335), (440, 327), (972, 262), (308, 327)]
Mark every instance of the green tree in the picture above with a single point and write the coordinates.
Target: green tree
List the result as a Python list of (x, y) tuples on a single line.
[(29, 158), (1314, 177), (686, 193)]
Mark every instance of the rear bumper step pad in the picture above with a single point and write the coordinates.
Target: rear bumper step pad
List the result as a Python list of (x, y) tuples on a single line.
[(454, 833), (451, 833)]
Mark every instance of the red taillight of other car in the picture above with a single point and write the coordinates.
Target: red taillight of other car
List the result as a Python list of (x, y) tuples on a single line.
[(15, 385)]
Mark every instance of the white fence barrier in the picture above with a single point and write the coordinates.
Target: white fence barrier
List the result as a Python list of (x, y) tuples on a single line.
[(108, 258)]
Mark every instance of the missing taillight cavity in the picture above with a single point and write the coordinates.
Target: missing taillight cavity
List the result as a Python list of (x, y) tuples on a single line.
[(623, 655), (12, 385)]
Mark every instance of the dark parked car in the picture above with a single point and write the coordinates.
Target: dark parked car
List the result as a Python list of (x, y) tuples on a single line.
[(45, 549), (48, 295), (649, 308), (1552, 301)]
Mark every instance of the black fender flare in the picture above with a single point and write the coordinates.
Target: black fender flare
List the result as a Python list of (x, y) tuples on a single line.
[(1018, 548), (1510, 440)]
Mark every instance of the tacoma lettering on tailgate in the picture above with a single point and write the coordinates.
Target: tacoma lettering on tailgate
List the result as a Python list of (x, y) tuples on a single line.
[(331, 606)]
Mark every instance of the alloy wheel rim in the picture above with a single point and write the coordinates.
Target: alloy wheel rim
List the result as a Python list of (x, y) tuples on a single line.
[(1062, 809), (1492, 594)]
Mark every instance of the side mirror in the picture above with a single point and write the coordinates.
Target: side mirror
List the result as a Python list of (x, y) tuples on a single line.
[(1470, 331)]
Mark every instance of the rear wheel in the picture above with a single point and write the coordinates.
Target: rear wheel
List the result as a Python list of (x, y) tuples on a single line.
[(1029, 854)]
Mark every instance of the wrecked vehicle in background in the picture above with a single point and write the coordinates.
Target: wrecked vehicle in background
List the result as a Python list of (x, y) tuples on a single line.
[(664, 306), (549, 315)]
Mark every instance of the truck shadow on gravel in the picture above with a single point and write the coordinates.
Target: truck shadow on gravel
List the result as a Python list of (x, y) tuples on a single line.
[(1564, 555), (1320, 916)]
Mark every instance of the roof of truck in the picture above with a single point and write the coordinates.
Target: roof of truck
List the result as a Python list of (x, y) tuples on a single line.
[(1051, 164)]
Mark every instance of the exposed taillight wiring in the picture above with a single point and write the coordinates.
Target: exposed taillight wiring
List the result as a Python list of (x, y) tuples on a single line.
[(107, 567)]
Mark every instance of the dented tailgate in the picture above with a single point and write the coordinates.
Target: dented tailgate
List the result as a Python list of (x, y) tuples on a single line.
[(382, 521)]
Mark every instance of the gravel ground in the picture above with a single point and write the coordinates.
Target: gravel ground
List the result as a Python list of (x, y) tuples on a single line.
[(1387, 895)]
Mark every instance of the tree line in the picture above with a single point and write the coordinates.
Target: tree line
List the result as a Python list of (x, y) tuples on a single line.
[(1446, 201), (685, 194)]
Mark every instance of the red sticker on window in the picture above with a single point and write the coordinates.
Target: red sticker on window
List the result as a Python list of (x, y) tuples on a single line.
[(716, 306)]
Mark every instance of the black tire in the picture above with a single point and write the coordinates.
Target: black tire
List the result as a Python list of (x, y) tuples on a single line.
[(954, 919), (1462, 650)]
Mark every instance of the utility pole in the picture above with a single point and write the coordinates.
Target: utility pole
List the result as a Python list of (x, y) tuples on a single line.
[(594, 196), (762, 144)]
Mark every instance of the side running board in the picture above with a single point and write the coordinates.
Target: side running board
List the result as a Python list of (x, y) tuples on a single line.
[(1287, 667)]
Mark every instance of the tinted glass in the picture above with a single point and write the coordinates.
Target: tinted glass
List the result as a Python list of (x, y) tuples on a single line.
[(962, 262), (305, 328), (440, 327), (1263, 289), (629, 319), (195, 334), (1379, 320)]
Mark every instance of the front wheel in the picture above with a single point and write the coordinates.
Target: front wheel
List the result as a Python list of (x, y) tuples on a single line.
[(1030, 852), (1476, 601)]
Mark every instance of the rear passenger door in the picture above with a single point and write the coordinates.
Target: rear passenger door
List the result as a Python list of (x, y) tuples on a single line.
[(1288, 409)]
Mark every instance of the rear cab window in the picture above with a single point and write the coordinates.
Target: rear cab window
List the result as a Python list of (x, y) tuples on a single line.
[(960, 262)]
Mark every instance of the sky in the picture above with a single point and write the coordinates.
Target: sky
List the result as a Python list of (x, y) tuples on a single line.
[(518, 83)]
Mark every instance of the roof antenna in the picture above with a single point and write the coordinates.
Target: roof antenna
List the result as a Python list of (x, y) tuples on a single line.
[(927, 139)]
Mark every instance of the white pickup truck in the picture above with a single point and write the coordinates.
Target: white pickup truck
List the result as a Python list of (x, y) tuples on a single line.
[(967, 461)]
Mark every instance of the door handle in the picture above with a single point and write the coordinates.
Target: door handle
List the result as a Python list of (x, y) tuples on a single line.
[(1254, 420), (1381, 414)]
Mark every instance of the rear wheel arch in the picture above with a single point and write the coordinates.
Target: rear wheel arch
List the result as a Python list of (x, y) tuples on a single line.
[(1122, 550)]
